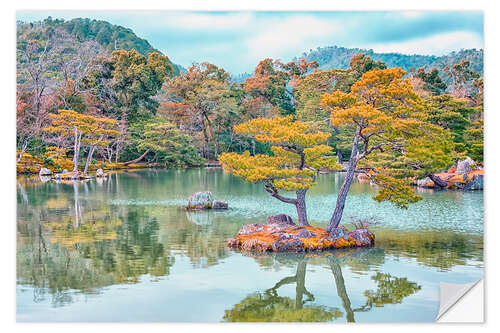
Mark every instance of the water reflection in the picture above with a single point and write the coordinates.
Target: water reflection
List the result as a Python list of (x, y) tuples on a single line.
[(269, 306), (83, 238)]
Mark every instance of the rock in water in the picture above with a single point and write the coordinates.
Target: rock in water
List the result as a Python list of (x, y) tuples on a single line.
[(99, 173), (465, 166), (281, 219), (250, 229), (288, 243), (361, 237), (45, 172), (338, 233), (304, 233), (220, 205), (200, 200)]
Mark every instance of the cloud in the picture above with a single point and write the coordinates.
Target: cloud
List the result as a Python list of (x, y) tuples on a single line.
[(277, 38), (193, 21), (439, 44)]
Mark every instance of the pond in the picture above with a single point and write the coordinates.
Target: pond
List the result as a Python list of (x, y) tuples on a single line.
[(124, 250)]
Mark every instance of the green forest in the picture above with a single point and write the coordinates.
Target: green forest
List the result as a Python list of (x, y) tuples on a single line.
[(94, 95)]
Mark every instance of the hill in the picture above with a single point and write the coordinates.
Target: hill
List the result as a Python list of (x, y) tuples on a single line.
[(339, 57), (109, 36)]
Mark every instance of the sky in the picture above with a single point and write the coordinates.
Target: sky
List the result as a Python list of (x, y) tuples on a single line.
[(237, 41)]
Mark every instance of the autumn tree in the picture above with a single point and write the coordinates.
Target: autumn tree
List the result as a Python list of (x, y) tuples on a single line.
[(298, 152), (392, 140), (84, 129), (362, 63), (197, 99)]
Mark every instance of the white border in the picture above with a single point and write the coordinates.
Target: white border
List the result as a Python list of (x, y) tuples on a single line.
[(7, 132)]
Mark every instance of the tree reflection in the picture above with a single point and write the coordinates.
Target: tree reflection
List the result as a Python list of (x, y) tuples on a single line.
[(88, 247), (269, 306)]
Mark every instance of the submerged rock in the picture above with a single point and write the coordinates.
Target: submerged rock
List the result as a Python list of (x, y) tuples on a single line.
[(200, 200)]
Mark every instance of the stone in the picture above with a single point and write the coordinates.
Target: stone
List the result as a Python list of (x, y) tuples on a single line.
[(426, 182), (255, 245), (361, 237), (465, 166), (65, 171), (200, 200), (250, 229), (220, 205), (288, 243), (45, 172), (57, 176), (338, 233), (304, 233), (233, 243), (281, 219), (475, 183), (99, 173)]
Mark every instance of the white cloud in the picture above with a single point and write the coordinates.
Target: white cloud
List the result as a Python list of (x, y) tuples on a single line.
[(292, 34), (211, 21), (436, 45)]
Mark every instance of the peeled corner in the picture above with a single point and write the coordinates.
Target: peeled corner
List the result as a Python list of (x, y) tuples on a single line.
[(461, 303)]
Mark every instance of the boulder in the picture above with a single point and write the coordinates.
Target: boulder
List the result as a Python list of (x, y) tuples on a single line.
[(361, 237), (200, 200), (426, 182), (338, 233), (65, 171), (304, 233), (45, 172), (255, 245), (281, 219), (220, 205), (251, 229), (465, 166), (57, 176), (99, 173), (475, 183), (288, 243), (233, 242)]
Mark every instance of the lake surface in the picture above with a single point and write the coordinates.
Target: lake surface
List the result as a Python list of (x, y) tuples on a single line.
[(123, 249)]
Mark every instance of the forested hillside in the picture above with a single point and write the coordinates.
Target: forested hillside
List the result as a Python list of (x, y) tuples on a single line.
[(90, 93), (339, 57), (111, 37)]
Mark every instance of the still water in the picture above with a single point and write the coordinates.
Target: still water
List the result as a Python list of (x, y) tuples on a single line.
[(123, 249)]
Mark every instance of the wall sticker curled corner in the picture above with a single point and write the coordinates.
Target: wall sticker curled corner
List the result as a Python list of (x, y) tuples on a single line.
[(461, 302)]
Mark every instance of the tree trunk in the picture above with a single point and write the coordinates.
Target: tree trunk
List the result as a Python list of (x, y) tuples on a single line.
[(89, 158), (301, 207), (344, 189), (76, 149), (23, 150), (138, 159)]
